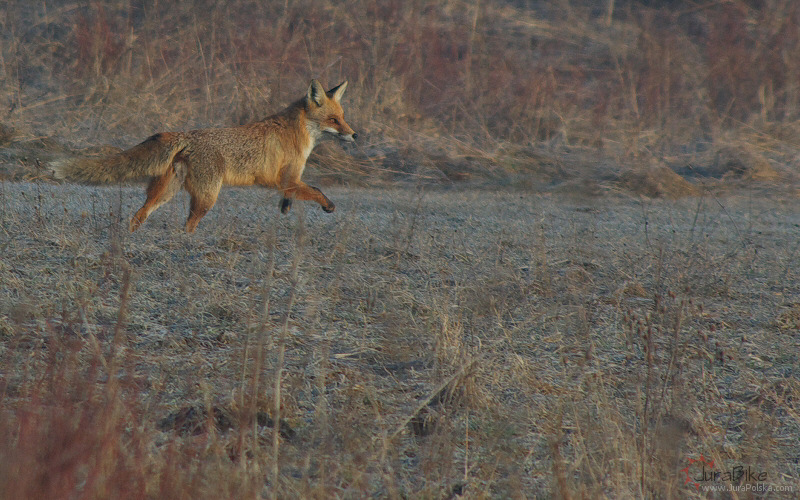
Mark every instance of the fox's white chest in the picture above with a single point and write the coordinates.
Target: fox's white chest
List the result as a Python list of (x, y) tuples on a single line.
[(314, 133), (305, 152)]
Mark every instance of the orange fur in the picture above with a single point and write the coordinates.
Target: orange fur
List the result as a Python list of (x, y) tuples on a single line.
[(270, 153)]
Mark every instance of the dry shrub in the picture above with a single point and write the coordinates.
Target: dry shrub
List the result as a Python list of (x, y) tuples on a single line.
[(73, 422), (74, 428)]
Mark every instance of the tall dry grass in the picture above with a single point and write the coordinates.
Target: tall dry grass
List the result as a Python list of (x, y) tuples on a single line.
[(476, 81)]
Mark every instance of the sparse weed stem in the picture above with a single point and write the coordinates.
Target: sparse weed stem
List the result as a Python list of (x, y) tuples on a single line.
[(251, 387), (297, 258), (543, 274), (556, 439), (661, 337), (4, 212)]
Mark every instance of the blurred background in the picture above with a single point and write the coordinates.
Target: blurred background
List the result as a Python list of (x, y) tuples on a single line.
[(523, 93)]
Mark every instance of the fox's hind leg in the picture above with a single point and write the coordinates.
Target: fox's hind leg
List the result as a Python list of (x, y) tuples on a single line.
[(160, 191), (202, 201), (199, 207)]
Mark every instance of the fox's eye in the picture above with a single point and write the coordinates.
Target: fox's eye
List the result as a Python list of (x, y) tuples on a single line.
[(334, 121)]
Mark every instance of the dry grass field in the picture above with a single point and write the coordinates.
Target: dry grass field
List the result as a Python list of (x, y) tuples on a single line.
[(493, 344), (564, 262)]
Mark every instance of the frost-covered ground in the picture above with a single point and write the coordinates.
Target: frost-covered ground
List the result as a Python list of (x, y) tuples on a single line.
[(625, 334)]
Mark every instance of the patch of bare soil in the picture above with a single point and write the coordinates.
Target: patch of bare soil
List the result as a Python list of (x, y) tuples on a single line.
[(658, 181)]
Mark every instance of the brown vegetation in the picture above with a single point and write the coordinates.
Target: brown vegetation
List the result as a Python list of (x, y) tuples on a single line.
[(442, 91), (427, 344), (618, 294)]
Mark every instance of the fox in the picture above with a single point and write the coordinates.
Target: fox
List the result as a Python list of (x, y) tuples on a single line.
[(270, 153)]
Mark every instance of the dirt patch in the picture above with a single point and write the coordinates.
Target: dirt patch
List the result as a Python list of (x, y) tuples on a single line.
[(657, 181), (733, 164), (742, 163), (789, 319)]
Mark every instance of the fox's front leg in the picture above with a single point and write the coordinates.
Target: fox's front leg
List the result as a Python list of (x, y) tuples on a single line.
[(303, 191)]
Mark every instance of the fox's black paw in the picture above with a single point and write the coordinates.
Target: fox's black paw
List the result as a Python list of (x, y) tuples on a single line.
[(330, 208), (286, 204)]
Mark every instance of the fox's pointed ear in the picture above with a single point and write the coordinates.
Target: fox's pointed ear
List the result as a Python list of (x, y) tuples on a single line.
[(316, 93), (336, 92)]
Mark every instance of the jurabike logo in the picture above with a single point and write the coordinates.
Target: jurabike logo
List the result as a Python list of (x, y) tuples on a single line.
[(687, 471), (700, 471)]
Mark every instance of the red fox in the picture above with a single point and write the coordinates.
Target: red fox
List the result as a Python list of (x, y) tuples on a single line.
[(271, 153)]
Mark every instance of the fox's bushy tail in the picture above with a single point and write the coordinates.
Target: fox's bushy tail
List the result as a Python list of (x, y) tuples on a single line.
[(150, 158)]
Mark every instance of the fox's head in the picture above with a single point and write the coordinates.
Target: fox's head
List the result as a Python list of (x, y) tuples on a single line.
[(324, 112)]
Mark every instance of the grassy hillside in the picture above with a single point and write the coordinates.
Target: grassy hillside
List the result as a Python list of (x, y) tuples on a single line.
[(441, 91)]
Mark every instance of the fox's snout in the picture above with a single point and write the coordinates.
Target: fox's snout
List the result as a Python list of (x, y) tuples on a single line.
[(342, 135), (345, 132)]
